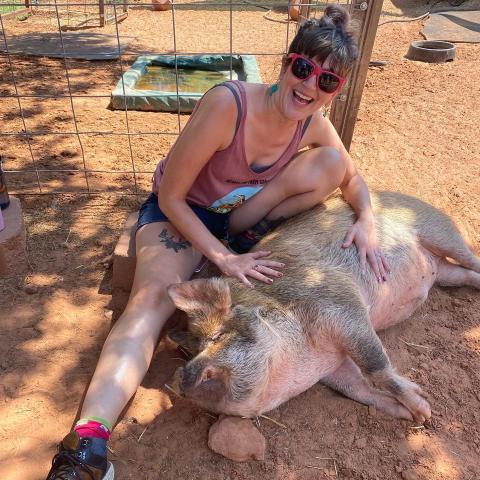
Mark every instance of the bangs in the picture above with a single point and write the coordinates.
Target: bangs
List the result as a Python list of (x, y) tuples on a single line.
[(330, 43)]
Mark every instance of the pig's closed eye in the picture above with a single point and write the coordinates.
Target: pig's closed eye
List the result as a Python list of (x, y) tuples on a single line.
[(217, 336)]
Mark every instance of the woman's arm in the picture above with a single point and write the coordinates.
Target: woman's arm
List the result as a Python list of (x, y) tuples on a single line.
[(354, 189), (209, 129)]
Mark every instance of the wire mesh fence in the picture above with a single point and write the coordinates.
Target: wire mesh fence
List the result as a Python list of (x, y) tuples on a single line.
[(58, 130)]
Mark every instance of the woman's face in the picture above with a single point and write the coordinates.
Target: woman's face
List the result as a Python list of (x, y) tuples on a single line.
[(297, 99)]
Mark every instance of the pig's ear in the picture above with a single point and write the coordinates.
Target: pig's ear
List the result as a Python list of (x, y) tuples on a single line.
[(205, 296)]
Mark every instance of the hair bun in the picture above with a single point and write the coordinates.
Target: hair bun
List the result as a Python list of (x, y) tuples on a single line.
[(336, 15)]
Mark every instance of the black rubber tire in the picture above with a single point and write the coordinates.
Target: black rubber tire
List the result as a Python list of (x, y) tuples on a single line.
[(432, 51)]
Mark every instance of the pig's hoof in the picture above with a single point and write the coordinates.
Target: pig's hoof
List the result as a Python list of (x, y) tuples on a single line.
[(391, 406), (237, 439), (417, 405)]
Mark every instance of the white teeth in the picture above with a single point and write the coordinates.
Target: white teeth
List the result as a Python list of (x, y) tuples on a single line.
[(303, 97)]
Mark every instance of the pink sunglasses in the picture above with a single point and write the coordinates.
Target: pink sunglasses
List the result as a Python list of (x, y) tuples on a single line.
[(303, 68)]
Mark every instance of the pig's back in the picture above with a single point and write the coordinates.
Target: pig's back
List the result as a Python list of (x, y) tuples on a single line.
[(318, 234), (310, 244)]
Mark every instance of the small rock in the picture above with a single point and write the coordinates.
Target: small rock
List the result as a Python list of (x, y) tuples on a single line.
[(372, 411), (352, 420), (409, 474), (30, 289), (361, 442), (456, 302), (398, 468), (108, 314), (237, 439)]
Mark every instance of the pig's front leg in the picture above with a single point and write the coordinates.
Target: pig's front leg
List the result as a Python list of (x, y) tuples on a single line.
[(362, 344), (348, 380)]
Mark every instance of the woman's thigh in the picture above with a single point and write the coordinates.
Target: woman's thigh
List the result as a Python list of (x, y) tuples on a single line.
[(309, 178)]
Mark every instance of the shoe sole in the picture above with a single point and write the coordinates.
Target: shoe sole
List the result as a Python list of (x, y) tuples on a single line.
[(110, 473)]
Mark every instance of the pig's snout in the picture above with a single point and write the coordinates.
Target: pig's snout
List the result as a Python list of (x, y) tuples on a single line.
[(188, 379)]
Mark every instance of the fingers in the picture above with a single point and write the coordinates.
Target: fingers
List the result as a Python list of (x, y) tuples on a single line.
[(253, 265), (381, 268), (373, 261), (347, 242), (379, 265), (254, 273), (266, 270), (245, 280), (385, 264), (263, 271)]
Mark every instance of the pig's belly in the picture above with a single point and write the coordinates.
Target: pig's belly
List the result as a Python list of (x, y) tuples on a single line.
[(297, 375), (404, 291)]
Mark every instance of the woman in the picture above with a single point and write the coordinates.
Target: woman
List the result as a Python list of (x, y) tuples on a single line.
[(234, 173)]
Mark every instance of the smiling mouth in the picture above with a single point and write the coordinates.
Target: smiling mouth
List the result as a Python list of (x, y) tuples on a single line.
[(302, 98)]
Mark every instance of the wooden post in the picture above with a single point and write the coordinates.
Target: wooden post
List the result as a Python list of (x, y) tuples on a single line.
[(345, 108), (101, 11)]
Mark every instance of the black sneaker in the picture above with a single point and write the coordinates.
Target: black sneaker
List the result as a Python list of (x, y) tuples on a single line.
[(81, 458)]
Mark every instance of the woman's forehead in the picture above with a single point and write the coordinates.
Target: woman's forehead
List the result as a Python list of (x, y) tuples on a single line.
[(325, 63)]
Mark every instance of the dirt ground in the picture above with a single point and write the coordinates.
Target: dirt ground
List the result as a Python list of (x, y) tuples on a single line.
[(417, 132)]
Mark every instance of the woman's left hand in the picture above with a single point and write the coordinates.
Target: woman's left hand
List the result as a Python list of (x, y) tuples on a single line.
[(362, 233)]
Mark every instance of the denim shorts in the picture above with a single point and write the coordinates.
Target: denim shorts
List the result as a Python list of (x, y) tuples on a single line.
[(216, 223)]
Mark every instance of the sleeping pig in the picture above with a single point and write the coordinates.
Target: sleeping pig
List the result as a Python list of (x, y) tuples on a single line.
[(254, 349)]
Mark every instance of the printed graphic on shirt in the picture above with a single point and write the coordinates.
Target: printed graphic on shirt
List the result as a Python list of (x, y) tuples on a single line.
[(233, 199)]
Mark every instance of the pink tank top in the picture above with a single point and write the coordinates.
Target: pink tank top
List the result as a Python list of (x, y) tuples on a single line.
[(226, 181)]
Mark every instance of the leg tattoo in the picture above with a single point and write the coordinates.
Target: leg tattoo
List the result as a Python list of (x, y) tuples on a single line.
[(170, 241)]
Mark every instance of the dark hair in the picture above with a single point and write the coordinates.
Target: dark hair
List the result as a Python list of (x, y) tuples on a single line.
[(328, 36)]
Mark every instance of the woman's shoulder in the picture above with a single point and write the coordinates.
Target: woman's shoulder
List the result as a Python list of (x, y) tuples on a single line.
[(314, 132), (218, 101)]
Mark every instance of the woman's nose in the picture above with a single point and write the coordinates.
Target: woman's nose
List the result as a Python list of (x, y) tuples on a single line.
[(311, 82)]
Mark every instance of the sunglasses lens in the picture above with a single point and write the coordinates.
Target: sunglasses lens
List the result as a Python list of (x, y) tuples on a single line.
[(328, 82), (301, 68)]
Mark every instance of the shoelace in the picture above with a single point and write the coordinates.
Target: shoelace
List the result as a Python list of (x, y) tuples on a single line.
[(67, 463)]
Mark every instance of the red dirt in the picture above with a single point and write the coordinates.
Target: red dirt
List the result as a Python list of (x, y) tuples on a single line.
[(417, 133)]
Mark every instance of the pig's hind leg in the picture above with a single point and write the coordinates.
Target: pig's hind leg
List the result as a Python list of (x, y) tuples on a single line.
[(349, 381), (440, 235), (450, 275)]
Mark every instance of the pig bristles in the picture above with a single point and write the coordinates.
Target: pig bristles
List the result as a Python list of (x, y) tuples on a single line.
[(273, 421), (268, 325), (168, 387), (210, 415), (141, 435), (415, 345)]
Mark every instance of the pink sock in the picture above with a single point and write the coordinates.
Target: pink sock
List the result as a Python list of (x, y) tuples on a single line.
[(92, 429)]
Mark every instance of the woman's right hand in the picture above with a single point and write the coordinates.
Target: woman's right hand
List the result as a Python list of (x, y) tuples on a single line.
[(253, 265)]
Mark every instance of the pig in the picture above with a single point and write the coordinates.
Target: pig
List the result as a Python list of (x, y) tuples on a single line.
[(254, 349)]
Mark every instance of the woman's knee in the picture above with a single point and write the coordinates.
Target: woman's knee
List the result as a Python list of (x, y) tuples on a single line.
[(149, 296), (327, 164), (144, 316), (318, 168)]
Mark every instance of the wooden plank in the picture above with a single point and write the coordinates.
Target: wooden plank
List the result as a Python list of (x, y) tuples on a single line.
[(367, 40), (338, 109), (101, 12)]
